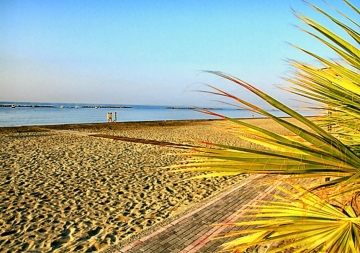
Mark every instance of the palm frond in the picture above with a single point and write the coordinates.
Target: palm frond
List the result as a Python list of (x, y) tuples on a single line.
[(324, 217), (306, 223)]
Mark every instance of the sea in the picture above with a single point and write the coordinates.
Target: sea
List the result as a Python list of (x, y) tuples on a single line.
[(33, 114)]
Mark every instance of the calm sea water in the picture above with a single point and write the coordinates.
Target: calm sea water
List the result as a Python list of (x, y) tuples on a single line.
[(30, 114)]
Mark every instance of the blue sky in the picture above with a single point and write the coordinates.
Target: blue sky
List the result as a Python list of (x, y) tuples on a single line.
[(146, 52)]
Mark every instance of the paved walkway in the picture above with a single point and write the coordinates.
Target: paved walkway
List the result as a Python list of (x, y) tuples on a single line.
[(194, 231)]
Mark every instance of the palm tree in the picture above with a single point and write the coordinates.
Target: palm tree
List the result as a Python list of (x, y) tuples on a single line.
[(326, 216)]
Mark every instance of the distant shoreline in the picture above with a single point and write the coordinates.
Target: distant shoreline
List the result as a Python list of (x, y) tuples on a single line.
[(37, 106), (131, 123), (53, 106)]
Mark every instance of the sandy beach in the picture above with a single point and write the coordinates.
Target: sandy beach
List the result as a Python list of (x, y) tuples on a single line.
[(67, 192)]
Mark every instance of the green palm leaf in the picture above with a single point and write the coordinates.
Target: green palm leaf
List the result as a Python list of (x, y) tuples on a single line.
[(315, 151), (325, 216), (305, 223)]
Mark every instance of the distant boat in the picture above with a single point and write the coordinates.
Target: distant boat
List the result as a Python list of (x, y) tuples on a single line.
[(96, 107), (13, 106), (61, 106), (76, 107)]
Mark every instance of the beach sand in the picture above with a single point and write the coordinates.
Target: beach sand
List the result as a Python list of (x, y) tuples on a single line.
[(65, 192)]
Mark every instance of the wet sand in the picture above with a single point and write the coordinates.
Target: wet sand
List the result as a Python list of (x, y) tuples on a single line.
[(64, 192)]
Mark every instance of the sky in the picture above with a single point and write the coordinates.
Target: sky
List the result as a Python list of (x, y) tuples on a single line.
[(148, 52)]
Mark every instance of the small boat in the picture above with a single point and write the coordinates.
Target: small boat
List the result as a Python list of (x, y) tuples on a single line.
[(61, 106), (13, 106), (96, 107), (76, 107)]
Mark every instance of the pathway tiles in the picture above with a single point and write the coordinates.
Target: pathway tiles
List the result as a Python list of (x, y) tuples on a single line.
[(214, 245), (194, 233)]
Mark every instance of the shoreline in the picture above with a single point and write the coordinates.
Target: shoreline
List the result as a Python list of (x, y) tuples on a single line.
[(154, 122), (125, 122), (101, 123)]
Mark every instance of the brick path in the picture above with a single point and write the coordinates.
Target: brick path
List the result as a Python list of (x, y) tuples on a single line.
[(194, 231)]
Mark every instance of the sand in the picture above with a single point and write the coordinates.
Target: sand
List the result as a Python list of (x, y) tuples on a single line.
[(65, 192)]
